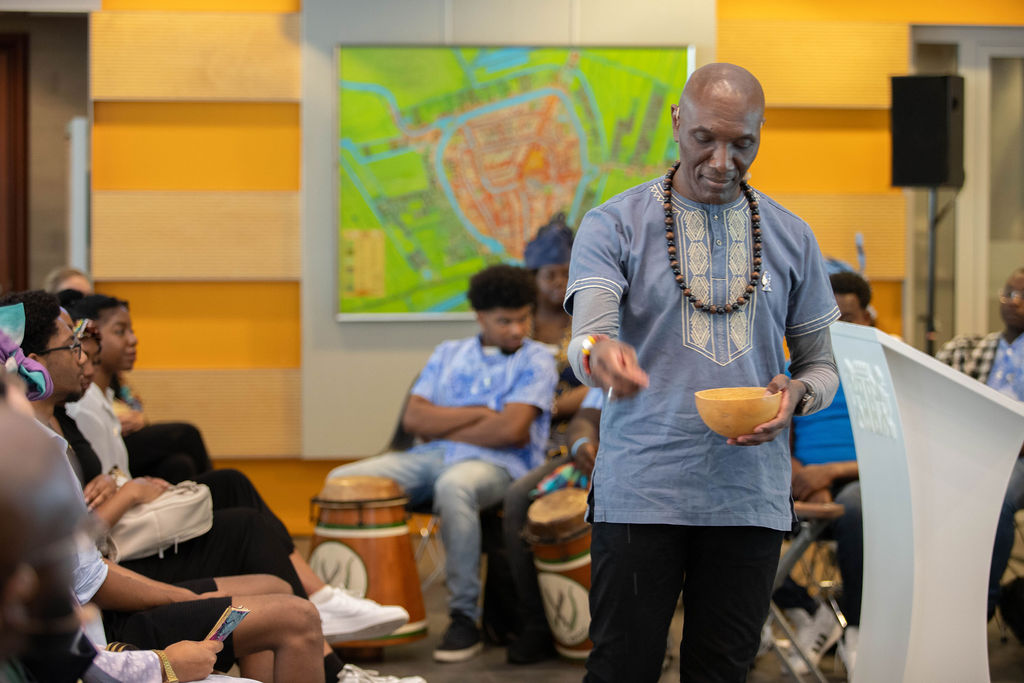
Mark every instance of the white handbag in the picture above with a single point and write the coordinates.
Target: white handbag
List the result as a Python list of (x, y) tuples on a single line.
[(181, 513)]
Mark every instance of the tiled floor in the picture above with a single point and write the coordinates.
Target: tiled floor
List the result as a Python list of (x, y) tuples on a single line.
[(1006, 659)]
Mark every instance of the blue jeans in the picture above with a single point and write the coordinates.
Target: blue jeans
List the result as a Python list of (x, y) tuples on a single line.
[(459, 492), (1012, 501)]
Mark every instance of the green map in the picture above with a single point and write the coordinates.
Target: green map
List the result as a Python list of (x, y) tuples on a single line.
[(449, 159)]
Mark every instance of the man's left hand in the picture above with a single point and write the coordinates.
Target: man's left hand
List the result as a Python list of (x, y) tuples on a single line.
[(792, 392)]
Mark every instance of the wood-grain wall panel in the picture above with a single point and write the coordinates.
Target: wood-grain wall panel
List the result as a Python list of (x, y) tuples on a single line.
[(153, 235)]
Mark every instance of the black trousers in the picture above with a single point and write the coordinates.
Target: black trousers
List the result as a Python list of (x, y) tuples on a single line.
[(529, 603), (637, 572), (232, 489), (158, 627), (170, 450), (242, 541)]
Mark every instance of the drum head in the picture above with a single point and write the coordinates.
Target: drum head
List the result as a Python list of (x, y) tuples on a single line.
[(558, 515), (359, 489)]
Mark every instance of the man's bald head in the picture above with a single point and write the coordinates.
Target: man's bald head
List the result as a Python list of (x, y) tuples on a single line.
[(718, 127), (721, 81)]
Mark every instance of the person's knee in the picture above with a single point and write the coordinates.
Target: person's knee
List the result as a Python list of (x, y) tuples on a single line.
[(452, 494), (300, 619)]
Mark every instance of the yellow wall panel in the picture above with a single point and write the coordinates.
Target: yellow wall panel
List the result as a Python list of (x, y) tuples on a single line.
[(213, 325), (242, 413), (836, 218), (195, 146), (150, 235), (887, 299), (194, 56), (815, 63), (907, 11), (207, 5), (824, 150)]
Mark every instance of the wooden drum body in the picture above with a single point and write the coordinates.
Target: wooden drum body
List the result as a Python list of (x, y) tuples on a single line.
[(560, 538), (361, 543)]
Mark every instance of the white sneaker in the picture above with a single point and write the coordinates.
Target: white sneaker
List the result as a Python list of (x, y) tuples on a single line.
[(353, 674), (846, 650), (346, 617), (815, 638)]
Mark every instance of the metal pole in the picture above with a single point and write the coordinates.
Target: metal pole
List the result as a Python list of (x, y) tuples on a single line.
[(929, 320)]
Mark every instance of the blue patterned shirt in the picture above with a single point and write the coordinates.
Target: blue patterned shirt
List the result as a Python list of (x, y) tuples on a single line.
[(465, 373), (1007, 375), (657, 462)]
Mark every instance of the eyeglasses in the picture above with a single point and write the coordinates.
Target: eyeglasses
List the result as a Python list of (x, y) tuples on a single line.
[(75, 347), (1012, 296)]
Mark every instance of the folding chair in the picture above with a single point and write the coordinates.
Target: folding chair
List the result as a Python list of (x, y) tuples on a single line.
[(813, 518)]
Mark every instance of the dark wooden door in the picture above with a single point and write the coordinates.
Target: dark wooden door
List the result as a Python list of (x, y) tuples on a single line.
[(13, 162)]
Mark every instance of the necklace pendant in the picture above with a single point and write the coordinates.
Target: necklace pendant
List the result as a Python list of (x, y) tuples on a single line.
[(766, 282)]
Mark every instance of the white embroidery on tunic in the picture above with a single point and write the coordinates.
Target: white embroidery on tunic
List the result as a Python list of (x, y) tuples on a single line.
[(701, 330)]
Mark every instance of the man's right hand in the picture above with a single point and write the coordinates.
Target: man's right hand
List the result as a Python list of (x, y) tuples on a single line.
[(613, 365), (193, 661)]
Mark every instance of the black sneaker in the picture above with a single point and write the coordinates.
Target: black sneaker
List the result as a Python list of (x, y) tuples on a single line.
[(531, 647), (460, 642)]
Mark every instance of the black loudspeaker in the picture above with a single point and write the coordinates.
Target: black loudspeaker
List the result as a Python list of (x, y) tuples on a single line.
[(928, 131)]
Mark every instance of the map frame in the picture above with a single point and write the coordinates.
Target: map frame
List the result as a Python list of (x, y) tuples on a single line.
[(360, 243)]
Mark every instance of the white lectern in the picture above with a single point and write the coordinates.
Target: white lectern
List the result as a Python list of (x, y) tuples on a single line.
[(935, 449)]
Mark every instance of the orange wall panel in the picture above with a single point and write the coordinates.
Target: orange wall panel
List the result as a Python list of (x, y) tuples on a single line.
[(196, 146), (213, 325), (205, 5), (824, 150), (908, 11)]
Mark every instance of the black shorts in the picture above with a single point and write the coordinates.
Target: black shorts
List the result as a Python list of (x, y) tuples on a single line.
[(156, 628)]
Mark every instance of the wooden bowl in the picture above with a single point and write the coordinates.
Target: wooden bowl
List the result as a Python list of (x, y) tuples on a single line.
[(735, 411)]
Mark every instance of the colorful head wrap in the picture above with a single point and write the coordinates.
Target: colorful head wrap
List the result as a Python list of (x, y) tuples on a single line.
[(551, 246), (12, 331)]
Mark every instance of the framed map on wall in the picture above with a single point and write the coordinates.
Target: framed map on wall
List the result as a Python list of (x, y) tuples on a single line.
[(450, 158)]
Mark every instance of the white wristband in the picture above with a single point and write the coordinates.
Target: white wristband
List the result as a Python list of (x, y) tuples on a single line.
[(577, 443)]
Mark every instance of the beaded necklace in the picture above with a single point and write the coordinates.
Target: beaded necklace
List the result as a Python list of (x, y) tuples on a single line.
[(673, 260)]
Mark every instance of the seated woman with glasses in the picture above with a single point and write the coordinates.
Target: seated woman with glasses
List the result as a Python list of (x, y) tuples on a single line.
[(173, 451)]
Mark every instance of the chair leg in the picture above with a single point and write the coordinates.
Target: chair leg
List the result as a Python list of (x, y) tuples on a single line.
[(427, 545), (813, 669)]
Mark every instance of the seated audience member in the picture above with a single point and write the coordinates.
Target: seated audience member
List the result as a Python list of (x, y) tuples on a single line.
[(173, 451), (65, 278), (150, 613), (547, 258), (239, 514), (534, 642), (824, 464), (997, 359), (41, 636), (481, 409)]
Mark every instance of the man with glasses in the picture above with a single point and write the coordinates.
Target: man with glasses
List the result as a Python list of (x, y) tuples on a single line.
[(997, 359)]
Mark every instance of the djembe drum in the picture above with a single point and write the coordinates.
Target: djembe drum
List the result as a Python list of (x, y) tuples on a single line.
[(560, 538), (361, 543)]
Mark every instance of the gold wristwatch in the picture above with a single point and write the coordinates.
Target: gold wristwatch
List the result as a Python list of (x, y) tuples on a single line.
[(169, 675)]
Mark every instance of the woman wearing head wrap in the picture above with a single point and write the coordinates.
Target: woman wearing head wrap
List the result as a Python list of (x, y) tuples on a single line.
[(547, 256)]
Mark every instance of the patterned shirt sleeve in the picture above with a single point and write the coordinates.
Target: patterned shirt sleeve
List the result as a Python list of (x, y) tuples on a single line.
[(534, 382), (426, 384), (812, 305), (138, 666), (598, 255)]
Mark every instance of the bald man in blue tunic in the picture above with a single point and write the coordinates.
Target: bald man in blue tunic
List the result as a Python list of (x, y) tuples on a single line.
[(689, 282)]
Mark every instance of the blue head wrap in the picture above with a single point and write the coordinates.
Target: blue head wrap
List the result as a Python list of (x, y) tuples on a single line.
[(14, 360), (551, 246)]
